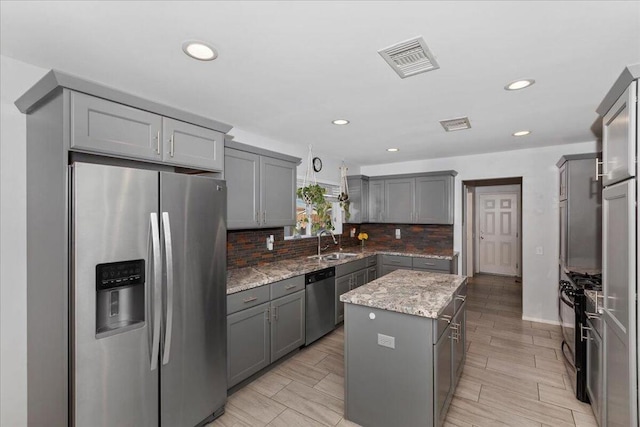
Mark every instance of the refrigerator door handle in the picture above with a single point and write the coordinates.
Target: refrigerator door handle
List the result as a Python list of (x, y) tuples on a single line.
[(166, 225), (157, 297)]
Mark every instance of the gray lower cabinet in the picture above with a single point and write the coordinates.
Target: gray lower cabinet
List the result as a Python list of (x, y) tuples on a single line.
[(248, 343), (595, 371), (350, 276), (263, 325), (458, 338), (372, 274), (107, 127), (261, 189), (442, 376), (343, 285), (436, 265)]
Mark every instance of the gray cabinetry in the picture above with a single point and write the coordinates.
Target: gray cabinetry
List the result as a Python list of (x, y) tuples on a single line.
[(458, 339), (106, 127), (619, 138), (261, 187), (102, 126), (185, 144), (263, 325), (376, 200), (350, 276), (442, 376), (394, 262), (595, 371), (248, 343), (399, 200), (343, 285), (434, 200), (287, 324), (372, 273), (425, 198), (358, 199), (580, 212)]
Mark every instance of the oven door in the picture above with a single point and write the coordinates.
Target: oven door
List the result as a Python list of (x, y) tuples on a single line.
[(568, 323)]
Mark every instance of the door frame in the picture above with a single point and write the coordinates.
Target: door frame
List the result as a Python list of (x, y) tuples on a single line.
[(469, 253)]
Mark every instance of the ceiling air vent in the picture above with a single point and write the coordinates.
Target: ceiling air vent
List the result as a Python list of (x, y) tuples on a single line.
[(460, 123), (409, 57)]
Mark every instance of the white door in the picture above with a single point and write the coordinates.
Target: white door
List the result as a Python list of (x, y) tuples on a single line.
[(498, 233)]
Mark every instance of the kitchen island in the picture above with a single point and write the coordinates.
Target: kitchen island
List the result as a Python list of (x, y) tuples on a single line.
[(404, 348)]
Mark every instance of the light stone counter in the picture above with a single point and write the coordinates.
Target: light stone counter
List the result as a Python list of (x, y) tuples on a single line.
[(241, 279), (418, 293)]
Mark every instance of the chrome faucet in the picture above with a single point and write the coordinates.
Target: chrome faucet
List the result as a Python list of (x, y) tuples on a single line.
[(319, 233)]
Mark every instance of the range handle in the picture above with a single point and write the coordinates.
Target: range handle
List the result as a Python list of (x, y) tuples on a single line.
[(166, 224), (157, 296)]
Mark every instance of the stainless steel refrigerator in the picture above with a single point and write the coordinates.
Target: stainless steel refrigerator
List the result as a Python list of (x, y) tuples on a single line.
[(148, 289)]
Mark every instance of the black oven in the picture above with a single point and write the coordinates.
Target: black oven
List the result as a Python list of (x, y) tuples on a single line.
[(572, 308)]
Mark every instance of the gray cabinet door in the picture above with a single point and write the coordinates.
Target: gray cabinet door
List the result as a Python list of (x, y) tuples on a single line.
[(102, 126), (248, 343), (399, 200), (619, 303), (442, 385), (564, 180), (359, 278), (619, 129), (434, 200), (277, 192), (356, 201), (343, 285), (594, 372), (189, 145), (376, 200), (365, 201), (458, 337), (372, 274), (287, 324), (242, 173)]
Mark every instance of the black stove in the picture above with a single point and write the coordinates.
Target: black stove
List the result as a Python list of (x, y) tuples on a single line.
[(584, 281)]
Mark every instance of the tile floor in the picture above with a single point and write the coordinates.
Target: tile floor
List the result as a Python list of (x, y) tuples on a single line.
[(513, 376)]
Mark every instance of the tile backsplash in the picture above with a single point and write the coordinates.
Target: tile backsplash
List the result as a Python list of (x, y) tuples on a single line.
[(246, 248)]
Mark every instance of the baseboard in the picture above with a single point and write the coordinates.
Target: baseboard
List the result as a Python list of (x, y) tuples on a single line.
[(549, 322)]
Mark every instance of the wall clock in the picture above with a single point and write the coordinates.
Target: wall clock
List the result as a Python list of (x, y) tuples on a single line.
[(317, 164)]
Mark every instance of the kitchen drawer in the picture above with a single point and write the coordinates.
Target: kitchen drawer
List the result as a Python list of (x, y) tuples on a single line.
[(444, 319), (287, 286), (396, 260), (246, 299), (443, 265), (460, 296), (350, 267), (371, 261)]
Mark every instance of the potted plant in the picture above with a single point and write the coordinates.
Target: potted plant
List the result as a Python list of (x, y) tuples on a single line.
[(313, 194)]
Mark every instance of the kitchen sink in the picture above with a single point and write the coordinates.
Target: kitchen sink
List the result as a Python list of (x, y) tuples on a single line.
[(337, 256)]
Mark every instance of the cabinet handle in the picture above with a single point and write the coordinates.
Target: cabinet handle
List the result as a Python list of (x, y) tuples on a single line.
[(171, 145), (289, 287), (158, 142), (598, 163), (264, 217), (275, 313), (429, 263), (455, 328), (250, 299), (583, 337), (258, 217), (267, 314), (446, 318), (461, 297)]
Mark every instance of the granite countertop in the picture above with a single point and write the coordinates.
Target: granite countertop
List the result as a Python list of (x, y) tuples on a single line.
[(241, 279), (418, 293)]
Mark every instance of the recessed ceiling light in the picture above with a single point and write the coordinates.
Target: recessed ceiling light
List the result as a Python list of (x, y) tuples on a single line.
[(519, 84), (340, 122), (199, 50), (521, 133), (393, 150)]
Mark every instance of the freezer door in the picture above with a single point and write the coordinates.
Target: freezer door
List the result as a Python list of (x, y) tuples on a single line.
[(113, 383), (193, 371)]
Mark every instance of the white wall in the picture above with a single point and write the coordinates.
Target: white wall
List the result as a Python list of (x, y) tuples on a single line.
[(539, 173), (15, 78)]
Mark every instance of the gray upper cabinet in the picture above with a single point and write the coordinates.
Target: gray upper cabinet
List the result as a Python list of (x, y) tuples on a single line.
[(425, 198), (107, 127), (399, 199), (277, 189), (434, 200), (242, 173), (193, 146), (376, 200), (102, 126), (563, 182), (261, 187), (619, 137), (358, 199)]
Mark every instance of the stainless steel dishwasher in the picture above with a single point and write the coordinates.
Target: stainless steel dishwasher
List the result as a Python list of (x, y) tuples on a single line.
[(320, 303)]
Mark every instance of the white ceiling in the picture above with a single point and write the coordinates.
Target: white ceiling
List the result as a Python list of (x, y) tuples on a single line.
[(287, 69)]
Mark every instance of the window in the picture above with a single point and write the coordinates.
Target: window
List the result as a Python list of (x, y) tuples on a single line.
[(302, 228)]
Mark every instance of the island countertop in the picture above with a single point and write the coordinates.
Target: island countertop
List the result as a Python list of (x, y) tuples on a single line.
[(419, 293)]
